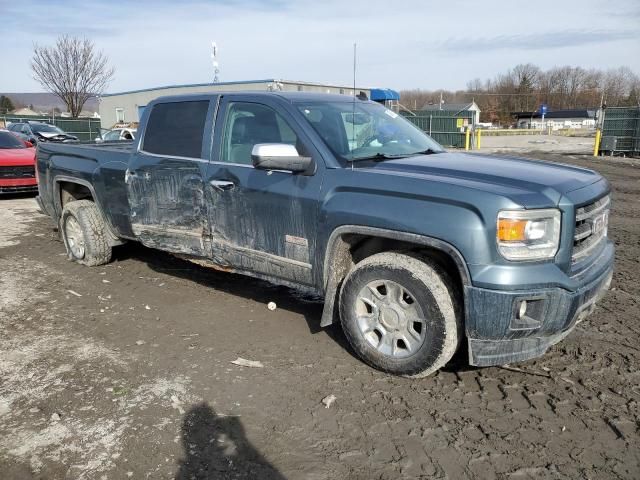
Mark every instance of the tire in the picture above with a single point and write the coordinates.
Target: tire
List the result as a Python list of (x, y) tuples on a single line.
[(400, 314), (85, 233)]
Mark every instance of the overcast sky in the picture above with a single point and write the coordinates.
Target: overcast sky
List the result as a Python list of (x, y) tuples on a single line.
[(401, 44)]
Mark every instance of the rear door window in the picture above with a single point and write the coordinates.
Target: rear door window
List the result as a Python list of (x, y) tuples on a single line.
[(176, 129)]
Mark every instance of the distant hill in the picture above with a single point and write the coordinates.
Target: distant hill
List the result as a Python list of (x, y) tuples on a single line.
[(46, 101)]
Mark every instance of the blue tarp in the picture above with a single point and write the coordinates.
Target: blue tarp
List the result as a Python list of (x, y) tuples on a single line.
[(381, 94)]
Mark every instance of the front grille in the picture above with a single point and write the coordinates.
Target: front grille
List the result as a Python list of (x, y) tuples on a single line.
[(17, 172), (591, 228)]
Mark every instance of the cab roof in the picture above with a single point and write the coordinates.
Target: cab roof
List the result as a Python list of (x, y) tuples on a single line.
[(293, 97)]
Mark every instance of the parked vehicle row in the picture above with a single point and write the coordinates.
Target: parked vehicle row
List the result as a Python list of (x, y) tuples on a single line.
[(417, 251), (17, 151), (36, 132)]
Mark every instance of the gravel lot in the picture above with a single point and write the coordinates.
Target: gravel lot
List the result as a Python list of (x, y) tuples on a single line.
[(541, 143), (125, 371)]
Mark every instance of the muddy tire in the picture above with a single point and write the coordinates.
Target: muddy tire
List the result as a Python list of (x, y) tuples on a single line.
[(400, 314), (85, 233)]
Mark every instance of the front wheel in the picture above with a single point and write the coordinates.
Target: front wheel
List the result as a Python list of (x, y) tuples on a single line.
[(85, 233), (400, 314)]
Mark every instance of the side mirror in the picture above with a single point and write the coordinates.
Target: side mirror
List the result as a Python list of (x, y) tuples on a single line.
[(98, 140), (280, 156), (27, 143)]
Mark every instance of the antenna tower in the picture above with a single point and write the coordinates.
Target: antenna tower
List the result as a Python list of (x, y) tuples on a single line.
[(214, 59)]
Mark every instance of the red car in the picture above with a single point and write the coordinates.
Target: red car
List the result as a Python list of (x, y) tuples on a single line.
[(17, 164)]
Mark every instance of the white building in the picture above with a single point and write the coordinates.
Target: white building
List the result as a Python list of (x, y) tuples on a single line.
[(558, 120), (127, 107)]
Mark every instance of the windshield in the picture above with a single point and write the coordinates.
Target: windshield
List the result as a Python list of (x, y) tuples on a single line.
[(9, 140), (357, 130), (43, 127)]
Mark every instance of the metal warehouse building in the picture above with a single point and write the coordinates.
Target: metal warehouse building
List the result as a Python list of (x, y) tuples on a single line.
[(127, 107)]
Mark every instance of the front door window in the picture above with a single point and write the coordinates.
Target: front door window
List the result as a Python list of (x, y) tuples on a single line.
[(248, 124)]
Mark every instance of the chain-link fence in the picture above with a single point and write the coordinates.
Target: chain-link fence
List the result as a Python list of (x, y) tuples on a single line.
[(445, 127), (621, 131)]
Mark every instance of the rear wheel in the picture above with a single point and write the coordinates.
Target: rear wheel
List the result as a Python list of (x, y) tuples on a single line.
[(85, 233), (400, 314)]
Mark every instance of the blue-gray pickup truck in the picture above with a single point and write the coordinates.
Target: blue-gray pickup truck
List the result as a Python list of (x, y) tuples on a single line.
[(417, 251)]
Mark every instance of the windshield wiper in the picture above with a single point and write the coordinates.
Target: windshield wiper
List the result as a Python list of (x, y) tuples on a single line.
[(387, 156), (378, 156), (428, 151)]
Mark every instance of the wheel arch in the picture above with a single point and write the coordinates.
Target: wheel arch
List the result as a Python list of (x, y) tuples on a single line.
[(60, 180), (348, 244)]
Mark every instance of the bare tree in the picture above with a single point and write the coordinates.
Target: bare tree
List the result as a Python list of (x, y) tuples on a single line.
[(524, 87), (72, 69)]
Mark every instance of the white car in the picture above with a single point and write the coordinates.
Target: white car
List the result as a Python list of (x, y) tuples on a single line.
[(117, 134)]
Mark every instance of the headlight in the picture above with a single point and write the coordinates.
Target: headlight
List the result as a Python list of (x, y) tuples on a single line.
[(528, 234)]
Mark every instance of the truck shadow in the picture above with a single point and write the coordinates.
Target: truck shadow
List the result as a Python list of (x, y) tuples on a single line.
[(216, 447), (261, 291)]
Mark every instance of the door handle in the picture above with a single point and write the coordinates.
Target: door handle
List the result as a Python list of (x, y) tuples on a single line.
[(222, 185)]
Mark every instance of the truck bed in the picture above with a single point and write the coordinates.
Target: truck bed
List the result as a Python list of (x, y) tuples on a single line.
[(90, 148), (99, 167)]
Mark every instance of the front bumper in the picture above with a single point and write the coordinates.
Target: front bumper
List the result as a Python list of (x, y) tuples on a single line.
[(497, 336), (18, 185), (19, 188)]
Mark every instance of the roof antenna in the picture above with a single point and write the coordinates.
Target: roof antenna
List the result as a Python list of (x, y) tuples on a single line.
[(353, 114)]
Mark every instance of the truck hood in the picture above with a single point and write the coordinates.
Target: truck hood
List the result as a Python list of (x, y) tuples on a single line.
[(11, 157), (518, 178)]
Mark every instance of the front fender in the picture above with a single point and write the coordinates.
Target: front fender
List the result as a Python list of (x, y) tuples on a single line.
[(337, 261)]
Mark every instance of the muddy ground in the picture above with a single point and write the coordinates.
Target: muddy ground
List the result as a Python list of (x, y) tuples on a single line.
[(124, 371)]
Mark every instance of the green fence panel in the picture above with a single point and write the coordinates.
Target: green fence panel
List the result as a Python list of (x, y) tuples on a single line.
[(624, 124), (445, 127), (83, 128)]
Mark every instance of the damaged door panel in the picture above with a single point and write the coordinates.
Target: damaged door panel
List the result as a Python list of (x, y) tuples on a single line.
[(262, 221), (165, 180), (167, 207)]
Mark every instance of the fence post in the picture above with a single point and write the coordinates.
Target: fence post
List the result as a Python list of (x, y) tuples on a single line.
[(467, 137)]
